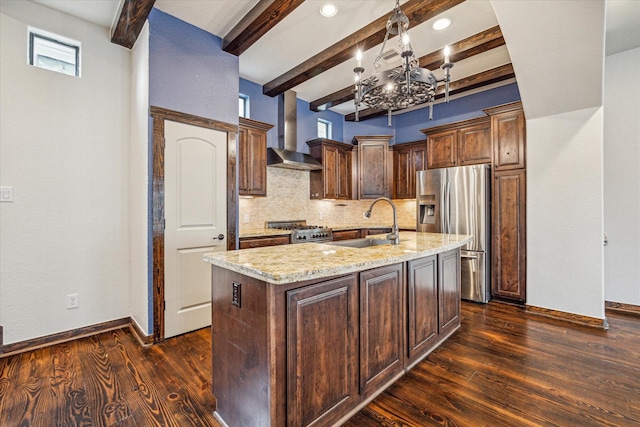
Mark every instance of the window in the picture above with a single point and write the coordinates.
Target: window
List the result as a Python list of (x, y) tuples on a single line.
[(243, 110), (53, 52), (324, 129)]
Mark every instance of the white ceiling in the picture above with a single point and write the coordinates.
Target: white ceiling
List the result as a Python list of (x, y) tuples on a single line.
[(305, 32)]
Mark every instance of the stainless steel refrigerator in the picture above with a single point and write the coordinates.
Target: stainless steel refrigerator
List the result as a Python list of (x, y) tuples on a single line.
[(457, 201)]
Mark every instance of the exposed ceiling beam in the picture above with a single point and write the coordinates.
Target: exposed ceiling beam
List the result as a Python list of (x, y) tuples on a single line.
[(494, 75), (133, 15), (463, 49), (255, 24), (367, 37)]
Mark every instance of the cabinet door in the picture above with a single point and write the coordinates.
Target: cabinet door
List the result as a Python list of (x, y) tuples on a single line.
[(508, 134), (381, 326), (449, 291), (330, 169), (402, 173), (252, 160), (474, 144), (372, 164), (422, 307), (509, 234), (322, 351), (343, 172), (442, 150)]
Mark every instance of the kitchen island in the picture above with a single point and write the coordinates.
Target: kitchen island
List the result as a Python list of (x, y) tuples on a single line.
[(307, 334)]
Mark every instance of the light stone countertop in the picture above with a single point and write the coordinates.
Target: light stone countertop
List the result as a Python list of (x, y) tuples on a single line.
[(306, 261)]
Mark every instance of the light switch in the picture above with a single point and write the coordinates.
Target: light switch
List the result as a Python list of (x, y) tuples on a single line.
[(6, 194)]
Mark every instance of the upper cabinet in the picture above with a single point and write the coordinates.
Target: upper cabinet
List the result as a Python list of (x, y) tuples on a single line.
[(334, 180), (459, 144), (407, 159), (508, 134), (252, 157), (373, 166)]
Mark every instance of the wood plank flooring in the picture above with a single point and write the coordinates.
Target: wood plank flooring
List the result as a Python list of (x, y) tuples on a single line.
[(502, 368)]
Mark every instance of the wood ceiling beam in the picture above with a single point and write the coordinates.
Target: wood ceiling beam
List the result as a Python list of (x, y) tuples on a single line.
[(367, 37), (255, 24), (494, 75), (133, 15), (463, 49)]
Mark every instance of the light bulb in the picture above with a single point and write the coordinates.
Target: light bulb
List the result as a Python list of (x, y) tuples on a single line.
[(405, 39), (447, 51), (359, 58)]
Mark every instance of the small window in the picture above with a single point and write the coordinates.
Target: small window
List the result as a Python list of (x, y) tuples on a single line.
[(324, 129), (243, 110), (53, 52)]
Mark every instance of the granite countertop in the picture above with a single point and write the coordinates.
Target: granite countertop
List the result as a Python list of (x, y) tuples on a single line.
[(298, 262)]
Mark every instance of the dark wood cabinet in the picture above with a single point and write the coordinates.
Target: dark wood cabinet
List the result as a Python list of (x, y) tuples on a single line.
[(508, 136), (459, 144), (442, 149), (422, 307), (448, 292), (346, 234), (373, 166), (322, 351), (509, 235), (407, 159), (259, 242), (508, 217), (311, 352), (474, 143), (381, 326), (252, 157), (334, 180), (370, 231)]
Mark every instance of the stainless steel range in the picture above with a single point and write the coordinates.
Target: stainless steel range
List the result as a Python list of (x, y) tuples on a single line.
[(301, 232)]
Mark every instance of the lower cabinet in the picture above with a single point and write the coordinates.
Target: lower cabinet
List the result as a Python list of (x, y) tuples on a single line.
[(381, 326), (422, 306), (448, 292), (310, 353), (322, 351)]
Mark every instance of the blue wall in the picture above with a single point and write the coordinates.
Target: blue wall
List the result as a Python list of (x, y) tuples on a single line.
[(189, 72), (408, 125), (265, 109)]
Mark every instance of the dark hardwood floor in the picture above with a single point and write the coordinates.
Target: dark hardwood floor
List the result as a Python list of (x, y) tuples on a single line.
[(502, 368)]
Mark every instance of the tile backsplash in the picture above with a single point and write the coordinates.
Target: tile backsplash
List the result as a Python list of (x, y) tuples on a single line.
[(288, 199)]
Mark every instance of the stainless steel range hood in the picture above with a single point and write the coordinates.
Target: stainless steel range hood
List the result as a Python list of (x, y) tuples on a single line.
[(287, 156)]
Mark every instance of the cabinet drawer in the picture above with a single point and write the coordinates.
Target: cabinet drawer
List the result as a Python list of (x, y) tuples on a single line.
[(346, 235), (261, 242)]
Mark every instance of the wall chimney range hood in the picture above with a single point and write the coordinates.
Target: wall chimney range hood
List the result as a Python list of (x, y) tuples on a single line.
[(287, 156)]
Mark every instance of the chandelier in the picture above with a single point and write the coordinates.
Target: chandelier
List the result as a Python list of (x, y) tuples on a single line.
[(401, 87)]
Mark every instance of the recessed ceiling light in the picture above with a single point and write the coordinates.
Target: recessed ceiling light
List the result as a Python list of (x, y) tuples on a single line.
[(441, 24), (328, 10)]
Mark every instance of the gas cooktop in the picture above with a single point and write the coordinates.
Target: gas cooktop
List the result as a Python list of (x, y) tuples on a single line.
[(301, 232)]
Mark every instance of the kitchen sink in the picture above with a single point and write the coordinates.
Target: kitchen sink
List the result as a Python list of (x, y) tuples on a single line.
[(360, 243)]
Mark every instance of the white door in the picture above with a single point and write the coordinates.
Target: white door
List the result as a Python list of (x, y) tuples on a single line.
[(195, 213)]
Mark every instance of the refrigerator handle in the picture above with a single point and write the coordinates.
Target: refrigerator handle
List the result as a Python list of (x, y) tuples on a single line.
[(448, 206)]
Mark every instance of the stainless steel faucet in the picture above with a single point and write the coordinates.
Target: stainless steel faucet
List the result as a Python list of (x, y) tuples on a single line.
[(394, 236)]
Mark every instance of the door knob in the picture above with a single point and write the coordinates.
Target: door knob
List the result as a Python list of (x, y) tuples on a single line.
[(220, 237)]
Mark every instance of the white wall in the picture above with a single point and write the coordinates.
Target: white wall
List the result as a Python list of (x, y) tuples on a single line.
[(138, 182), (564, 212), (622, 177), (560, 71), (64, 147)]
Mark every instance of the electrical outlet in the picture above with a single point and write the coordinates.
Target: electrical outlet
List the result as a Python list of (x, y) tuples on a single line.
[(246, 218), (321, 215), (72, 301)]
